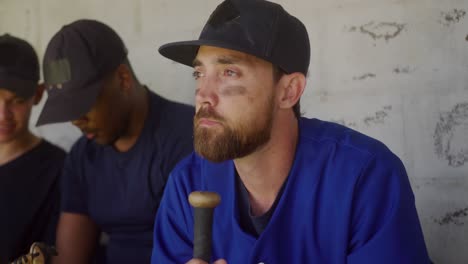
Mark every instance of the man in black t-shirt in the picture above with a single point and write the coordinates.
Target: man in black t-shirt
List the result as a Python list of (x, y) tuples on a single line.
[(29, 166), (115, 174)]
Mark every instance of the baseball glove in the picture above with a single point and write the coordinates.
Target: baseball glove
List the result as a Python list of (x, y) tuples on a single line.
[(39, 253)]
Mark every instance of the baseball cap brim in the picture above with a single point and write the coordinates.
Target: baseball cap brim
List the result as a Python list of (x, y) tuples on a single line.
[(64, 107), (22, 88), (185, 52)]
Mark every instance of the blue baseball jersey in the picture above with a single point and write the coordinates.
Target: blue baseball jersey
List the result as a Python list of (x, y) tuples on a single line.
[(347, 199), (121, 191)]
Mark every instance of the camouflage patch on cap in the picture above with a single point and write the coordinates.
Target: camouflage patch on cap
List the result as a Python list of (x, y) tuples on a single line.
[(57, 72)]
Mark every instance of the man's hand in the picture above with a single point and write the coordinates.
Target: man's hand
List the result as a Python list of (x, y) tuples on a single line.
[(199, 261)]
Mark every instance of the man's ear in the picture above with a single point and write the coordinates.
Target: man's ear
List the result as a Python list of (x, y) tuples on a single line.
[(291, 88), (39, 93), (125, 77)]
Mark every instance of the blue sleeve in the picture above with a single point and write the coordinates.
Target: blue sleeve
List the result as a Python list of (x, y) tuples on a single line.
[(172, 242), (73, 184), (385, 224)]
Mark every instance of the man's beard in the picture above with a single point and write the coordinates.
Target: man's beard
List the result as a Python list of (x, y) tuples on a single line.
[(230, 142)]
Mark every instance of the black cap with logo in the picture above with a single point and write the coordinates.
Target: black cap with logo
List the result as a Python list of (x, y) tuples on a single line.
[(256, 27), (77, 59), (19, 66)]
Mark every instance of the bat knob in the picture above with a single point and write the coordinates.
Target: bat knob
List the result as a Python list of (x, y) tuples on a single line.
[(204, 199)]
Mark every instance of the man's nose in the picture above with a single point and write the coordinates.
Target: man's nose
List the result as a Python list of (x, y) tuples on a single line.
[(5, 111), (80, 121), (206, 92)]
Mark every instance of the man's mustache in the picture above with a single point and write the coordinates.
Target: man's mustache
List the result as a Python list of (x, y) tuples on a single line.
[(208, 113)]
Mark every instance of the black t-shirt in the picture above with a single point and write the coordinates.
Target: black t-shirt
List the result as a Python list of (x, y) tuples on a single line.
[(29, 199), (253, 225)]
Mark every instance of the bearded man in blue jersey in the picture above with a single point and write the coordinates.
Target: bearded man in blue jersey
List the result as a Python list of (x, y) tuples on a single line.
[(293, 190)]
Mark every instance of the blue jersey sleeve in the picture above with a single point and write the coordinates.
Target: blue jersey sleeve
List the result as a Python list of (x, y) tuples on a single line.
[(385, 224), (172, 242), (73, 184)]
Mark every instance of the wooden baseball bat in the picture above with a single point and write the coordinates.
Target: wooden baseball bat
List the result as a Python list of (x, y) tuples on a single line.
[(204, 204)]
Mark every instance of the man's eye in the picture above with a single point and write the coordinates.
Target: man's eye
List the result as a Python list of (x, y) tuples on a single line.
[(230, 73), (197, 74), (19, 101)]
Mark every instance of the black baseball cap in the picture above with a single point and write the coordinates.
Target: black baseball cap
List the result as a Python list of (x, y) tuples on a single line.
[(19, 66), (256, 27), (75, 63)]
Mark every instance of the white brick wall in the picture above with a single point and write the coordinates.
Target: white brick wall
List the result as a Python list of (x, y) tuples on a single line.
[(393, 69)]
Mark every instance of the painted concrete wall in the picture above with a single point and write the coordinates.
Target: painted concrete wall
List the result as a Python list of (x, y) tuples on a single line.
[(393, 69)]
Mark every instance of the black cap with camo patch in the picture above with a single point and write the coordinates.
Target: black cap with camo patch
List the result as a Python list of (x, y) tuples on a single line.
[(256, 27), (77, 59)]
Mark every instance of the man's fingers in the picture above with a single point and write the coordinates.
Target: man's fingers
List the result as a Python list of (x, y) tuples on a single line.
[(199, 261), (196, 261)]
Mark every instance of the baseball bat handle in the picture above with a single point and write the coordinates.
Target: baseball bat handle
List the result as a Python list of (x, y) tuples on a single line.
[(203, 204)]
